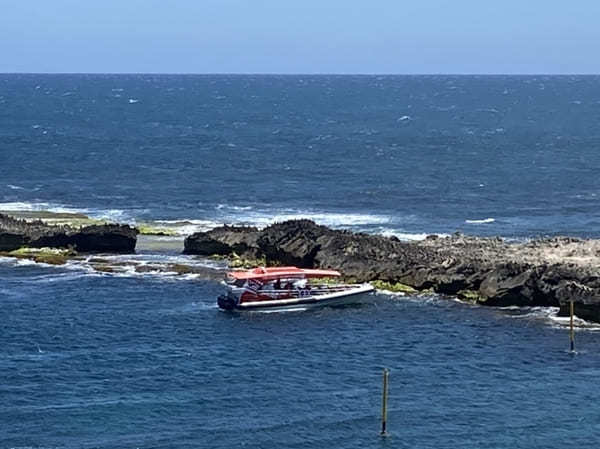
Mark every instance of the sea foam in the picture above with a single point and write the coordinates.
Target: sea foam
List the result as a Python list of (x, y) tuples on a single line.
[(331, 219), (408, 236), (38, 206), (482, 221)]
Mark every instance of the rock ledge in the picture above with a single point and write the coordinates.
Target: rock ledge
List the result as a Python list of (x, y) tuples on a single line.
[(488, 271), (110, 238)]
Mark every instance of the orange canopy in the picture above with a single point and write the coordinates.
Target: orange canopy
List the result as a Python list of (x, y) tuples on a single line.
[(282, 272)]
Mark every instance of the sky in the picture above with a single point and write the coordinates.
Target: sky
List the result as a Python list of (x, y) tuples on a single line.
[(300, 36)]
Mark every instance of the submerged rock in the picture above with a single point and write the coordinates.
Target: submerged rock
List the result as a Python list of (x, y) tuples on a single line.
[(488, 271), (114, 238)]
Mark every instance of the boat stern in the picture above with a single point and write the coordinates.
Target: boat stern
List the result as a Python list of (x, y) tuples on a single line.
[(226, 302)]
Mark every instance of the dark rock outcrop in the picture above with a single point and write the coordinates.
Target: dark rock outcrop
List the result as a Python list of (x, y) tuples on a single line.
[(10, 240), (113, 238), (495, 272), (223, 241), (586, 300)]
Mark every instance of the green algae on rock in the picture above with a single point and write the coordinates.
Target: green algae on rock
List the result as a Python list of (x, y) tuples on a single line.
[(471, 296), (147, 229), (70, 219), (396, 287), (51, 256), (236, 261)]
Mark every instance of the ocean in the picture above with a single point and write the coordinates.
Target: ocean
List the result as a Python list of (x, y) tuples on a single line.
[(145, 359)]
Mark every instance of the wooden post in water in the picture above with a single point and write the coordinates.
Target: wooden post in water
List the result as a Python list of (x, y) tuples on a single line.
[(384, 433), (572, 331)]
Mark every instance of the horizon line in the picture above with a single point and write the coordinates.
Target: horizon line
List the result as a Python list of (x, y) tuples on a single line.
[(302, 74)]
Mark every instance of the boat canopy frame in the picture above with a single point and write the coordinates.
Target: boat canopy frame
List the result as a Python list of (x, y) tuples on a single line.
[(273, 273)]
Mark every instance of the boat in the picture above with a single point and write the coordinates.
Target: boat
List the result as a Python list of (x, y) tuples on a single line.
[(288, 288)]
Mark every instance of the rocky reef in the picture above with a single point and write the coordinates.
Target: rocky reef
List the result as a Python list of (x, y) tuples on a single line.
[(110, 238), (490, 271)]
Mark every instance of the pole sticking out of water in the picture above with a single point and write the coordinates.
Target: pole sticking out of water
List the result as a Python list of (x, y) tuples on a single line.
[(572, 331), (384, 433)]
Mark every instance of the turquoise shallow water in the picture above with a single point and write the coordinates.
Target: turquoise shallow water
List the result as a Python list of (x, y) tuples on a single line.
[(146, 360)]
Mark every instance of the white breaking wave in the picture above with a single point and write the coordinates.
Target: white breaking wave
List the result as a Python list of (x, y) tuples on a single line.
[(227, 206), (28, 262), (235, 215), (261, 219), (187, 227), (550, 315), (403, 235), (407, 236), (58, 208), (109, 214), (491, 110), (21, 206), (126, 265), (7, 260), (245, 216), (482, 221), (31, 207), (164, 259), (116, 215), (578, 323)]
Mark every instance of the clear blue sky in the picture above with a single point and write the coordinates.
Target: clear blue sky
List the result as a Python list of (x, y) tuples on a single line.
[(300, 36)]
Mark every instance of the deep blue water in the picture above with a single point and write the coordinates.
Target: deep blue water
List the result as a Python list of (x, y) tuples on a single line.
[(99, 361), (404, 154), (91, 360)]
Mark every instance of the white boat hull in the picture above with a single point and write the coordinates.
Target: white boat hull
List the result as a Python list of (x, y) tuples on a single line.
[(351, 296)]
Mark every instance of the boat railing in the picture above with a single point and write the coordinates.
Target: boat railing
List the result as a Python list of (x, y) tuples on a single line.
[(306, 291)]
